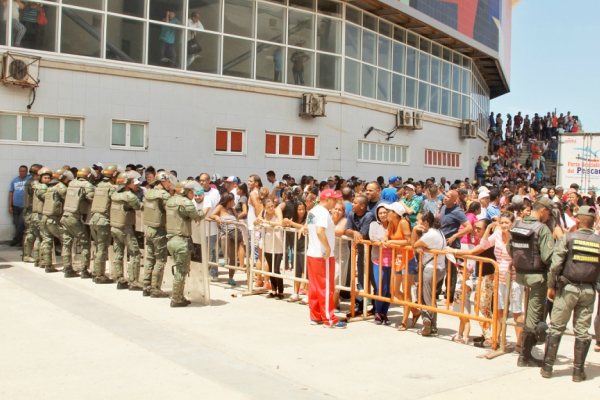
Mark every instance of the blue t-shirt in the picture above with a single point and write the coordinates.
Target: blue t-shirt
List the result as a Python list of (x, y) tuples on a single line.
[(492, 211), (167, 34), (17, 186), (372, 206), (348, 206), (451, 220), (361, 224)]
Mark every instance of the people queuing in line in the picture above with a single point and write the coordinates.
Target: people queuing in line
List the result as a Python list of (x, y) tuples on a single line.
[(308, 227)]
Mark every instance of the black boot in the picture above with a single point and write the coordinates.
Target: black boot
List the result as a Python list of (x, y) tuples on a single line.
[(581, 350), (85, 274), (70, 273), (147, 291), (552, 343), (526, 359), (122, 285)]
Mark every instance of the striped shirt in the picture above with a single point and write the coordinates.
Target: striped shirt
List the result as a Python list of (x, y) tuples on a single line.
[(502, 258)]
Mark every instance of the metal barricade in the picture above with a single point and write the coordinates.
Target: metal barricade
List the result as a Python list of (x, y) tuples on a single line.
[(403, 252)]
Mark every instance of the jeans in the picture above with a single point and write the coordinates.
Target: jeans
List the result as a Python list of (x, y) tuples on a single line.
[(382, 307), (166, 50), (18, 32), (212, 248), (19, 223), (480, 180)]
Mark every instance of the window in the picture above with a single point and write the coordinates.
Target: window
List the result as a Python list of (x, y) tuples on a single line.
[(382, 153), (40, 129), (230, 141), (435, 158), (129, 135), (283, 144)]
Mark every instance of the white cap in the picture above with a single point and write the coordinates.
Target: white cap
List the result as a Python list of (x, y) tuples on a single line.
[(482, 189), (137, 182), (483, 195), (98, 164)]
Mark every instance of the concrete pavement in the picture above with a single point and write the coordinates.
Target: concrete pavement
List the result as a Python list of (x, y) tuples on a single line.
[(70, 338)]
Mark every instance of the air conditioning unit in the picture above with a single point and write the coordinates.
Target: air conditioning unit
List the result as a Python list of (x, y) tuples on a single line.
[(468, 129), (313, 105), (20, 69), (404, 119), (418, 120)]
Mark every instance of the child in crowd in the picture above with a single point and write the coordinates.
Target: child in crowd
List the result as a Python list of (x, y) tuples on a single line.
[(464, 328)]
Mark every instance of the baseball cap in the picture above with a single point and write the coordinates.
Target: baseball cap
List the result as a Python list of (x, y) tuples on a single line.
[(396, 207), (586, 210), (483, 195), (482, 189), (139, 166), (393, 179), (330, 194), (99, 165), (517, 199), (546, 202), (286, 176), (215, 177), (232, 179), (331, 178), (408, 185), (199, 192)]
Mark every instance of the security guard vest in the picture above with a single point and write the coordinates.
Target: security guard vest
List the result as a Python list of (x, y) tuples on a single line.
[(28, 194), (39, 190), (583, 261), (154, 208), (121, 214), (53, 203), (75, 201), (101, 202), (176, 223), (525, 247)]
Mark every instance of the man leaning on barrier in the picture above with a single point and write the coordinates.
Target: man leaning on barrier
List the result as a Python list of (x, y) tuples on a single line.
[(574, 271), (530, 246)]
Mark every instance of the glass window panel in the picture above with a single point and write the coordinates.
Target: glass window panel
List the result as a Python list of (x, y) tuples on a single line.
[(447, 54), (353, 15), (271, 24), (446, 74), (165, 45), (328, 71), (369, 47), (284, 144), (455, 105), (329, 35), (128, 7), (72, 131), (369, 22), (80, 32), (383, 85), (373, 152), (434, 99), (399, 154), (411, 93), (221, 140), (384, 51), (305, 4), (359, 147), (269, 62), (8, 127), (412, 39), (425, 45), (30, 129), (271, 144), (424, 66), (386, 151), (118, 134), (329, 7), (455, 78), (237, 57), (368, 81), (423, 96), (456, 58), (297, 145), (392, 154), (209, 14), (208, 59), (436, 50), (435, 70), (411, 62), (398, 89), (301, 29), (52, 130), (159, 8), (237, 142), (400, 34), (352, 77), (379, 152), (399, 57), (446, 102), (466, 81), (38, 37), (239, 18), (300, 67), (466, 101), (404, 158), (97, 4), (385, 28), (136, 135), (353, 39), (124, 39)]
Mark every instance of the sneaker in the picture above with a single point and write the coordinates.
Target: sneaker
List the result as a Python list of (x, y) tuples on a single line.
[(268, 286), (293, 298), (377, 320), (426, 331), (231, 282), (385, 320), (213, 279), (339, 325), (336, 310), (315, 323), (304, 302), (260, 284)]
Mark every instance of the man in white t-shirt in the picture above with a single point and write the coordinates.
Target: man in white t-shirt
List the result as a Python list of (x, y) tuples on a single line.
[(211, 200), (194, 23), (320, 262)]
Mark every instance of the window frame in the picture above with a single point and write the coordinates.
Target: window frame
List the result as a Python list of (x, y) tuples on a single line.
[(228, 152), (127, 145), (369, 161), (443, 156), (291, 136), (40, 142)]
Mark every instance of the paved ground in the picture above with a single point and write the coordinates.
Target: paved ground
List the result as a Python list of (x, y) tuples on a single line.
[(70, 338)]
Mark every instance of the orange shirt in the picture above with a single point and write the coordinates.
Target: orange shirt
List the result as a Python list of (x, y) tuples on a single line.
[(554, 122), (395, 233)]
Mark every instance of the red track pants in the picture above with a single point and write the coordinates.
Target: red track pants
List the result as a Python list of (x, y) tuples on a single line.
[(321, 284)]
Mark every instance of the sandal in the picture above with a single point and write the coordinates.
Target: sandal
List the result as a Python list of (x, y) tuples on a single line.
[(415, 318), (402, 327), (457, 338), (464, 340)]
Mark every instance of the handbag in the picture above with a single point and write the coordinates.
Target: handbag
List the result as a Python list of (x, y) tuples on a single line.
[(41, 18), (193, 46)]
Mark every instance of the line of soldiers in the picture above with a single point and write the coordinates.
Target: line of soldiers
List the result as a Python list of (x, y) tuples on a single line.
[(59, 205), (565, 274)]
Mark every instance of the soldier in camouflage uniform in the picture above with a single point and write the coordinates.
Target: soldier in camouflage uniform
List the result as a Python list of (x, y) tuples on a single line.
[(100, 222), (123, 205), (39, 194), (80, 195), (180, 213), (156, 235), (53, 209), (31, 223)]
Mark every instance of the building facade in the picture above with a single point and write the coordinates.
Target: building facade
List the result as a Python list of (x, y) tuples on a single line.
[(217, 86)]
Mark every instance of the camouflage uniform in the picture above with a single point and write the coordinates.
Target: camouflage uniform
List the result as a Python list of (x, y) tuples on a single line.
[(30, 236), (50, 224), (156, 240), (122, 222), (100, 228), (35, 221)]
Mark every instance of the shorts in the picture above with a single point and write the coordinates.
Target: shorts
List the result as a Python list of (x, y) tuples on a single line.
[(516, 297), (413, 268)]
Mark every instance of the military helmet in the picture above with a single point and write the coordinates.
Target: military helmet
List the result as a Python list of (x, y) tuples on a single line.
[(185, 186), (163, 176), (35, 168), (125, 178), (85, 172), (60, 174), (45, 171), (112, 170)]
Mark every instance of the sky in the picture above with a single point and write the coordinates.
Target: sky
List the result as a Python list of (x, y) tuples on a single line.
[(555, 61)]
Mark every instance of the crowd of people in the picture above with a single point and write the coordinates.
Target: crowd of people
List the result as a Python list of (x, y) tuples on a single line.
[(518, 224)]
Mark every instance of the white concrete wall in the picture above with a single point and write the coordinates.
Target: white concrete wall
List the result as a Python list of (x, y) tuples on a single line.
[(182, 120)]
